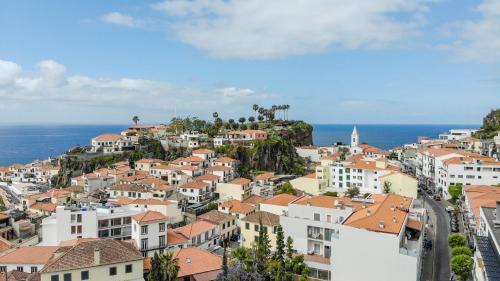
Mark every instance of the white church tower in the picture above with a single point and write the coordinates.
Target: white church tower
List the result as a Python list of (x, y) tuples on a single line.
[(354, 137)]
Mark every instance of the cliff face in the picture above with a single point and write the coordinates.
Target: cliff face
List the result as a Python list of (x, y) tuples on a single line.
[(298, 132), (491, 125)]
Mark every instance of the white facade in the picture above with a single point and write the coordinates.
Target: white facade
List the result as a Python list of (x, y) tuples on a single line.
[(457, 134), (150, 237)]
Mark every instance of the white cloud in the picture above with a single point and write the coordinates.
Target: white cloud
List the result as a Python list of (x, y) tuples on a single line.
[(477, 40), (266, 29), (51, 88), (121, 19)]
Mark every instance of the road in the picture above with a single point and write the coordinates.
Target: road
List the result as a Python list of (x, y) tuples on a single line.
[(441, 254)]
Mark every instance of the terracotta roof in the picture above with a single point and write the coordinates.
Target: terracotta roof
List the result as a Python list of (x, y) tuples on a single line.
[(4, 245), (14, 275), (414, 224), (194, 159), (203, 151), (44, 206), (153, 181), (82, 255), (389, 210), (189, 168), (207, 177), (195, 185), (310, 176), (224, 160), (29, 255), (174, 238), (254, 199), (195, 228), (267, 218), (108, 137), (148, 217), (216, 217), (281, 199), (264, 176), (471, 160), (371, 165), (73, 242), (481, 196), (240, 181), (195, 260), (237, 207)]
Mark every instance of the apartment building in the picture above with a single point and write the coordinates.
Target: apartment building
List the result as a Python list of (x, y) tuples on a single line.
[(27, 259), (226, 223), (487, 242), (250, 226), (238, 189), (197, 192), (72, 222), (201, 233), (111, 143), (149, 231)]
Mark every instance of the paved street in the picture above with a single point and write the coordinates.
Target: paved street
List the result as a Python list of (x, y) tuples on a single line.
[(436, 263)]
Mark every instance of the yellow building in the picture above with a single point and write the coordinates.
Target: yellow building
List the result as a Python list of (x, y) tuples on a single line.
[(109, 260), (250, 228), (238, 189), (401, 184), (313, 184)]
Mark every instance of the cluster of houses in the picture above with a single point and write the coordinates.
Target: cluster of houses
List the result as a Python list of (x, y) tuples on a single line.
[(109, 223)]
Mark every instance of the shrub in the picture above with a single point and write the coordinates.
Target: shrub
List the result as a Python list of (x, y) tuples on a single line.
[(461, 265), (456, 240), (461, 250)]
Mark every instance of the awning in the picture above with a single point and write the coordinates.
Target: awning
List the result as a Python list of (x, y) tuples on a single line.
[(414, 224)]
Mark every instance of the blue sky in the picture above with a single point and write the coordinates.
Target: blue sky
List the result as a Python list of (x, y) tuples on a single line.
[(333, 61)]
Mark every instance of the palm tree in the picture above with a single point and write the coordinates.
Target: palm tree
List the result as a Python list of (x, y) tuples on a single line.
[(231, 121), (251, 119), (242, 120), (255, 108), (135, 119), (287, 107), (215, 115), (260, 118), (164, 267)]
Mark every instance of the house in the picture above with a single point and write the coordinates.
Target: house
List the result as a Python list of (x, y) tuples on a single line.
[(146, 164), (238, 189), (107, 259), (198, 264), (149, 232), (242, 137), (487, 244), (225, 173), (237, 208), (475, 197), (132, 191), (400, 184), (200, 233), (27, 259), (309, 184), (278, 204), (176, 240), (197, 192), (170, 208), (226, 222), (111, 143), (250, 228), (457, 134), (206, 154)]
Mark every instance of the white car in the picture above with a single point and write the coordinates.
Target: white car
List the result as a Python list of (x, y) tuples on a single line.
[(450, 209)]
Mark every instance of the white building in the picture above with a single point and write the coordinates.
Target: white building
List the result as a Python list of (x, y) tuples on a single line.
[(149, 231), (457, 134), (110, 143), (69, 223), (198, 192), (27, 259)]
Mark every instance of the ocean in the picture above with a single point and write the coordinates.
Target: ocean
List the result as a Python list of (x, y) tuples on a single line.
[(25, 143)]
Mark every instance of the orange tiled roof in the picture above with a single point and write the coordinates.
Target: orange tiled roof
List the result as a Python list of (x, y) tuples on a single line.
[(264, 176), (240, 181), (203, 151), (281, 199), (44, 206), (266, 218), (195, 228), (193, 261), (218, 168), (207, 177), (174, 238), (108, 137), (195, 185), (29, 255), (149, 216), (481, 196), (224, 160), (237, 207)]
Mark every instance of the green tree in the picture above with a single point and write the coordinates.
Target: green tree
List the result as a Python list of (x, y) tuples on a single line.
[(156, 270), (331, 193), (251, 119), (242, 120), (455, 191), (215, 115), (260, 118), (287, 188), (289, 247), (164, 267), (263, 249), (462, 265), (135, 119), (279, 254), (352, 192), (456, 240), (461, 250), (255, 108), (387, 186), (242, 256)]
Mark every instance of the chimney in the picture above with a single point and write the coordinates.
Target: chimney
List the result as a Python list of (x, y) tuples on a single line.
[(188, 260), (368, 213), (381, 224), (393, 208), (97, 256)]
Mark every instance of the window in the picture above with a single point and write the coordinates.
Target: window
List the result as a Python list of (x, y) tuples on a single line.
[(144, 243), (3, 268), (73, 229), (256, 227), (54, 278), (67, 277), (127, 220), (116, 231), (112, 271), (144, 229), (247, 225), (161, 240), (20, 268), (79, 218), (103, 223), (84, 275), (117, 221), (78, 229), (162, 227), (128, 268), (316, 216), (104, 233), (206, 235), (34, 269)]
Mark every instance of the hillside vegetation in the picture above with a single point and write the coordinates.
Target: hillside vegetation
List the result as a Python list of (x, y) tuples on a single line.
[(491, 125)]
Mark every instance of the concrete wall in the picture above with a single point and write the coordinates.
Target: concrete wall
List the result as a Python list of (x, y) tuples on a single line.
[(102, 273)]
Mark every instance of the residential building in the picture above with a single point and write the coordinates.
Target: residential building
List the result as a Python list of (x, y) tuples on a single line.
[(200, 233), (475, 197), (311, 184), (237, 208), (198, 264), (226, 223), (238, 189), (96, 260), (149, 231), (111, 143), (278, 204), (206, 154), (242, 137), (487, 243), (132, 191), (457, 134), (172, 209), (27, 259), (250, 228), (197, 192)]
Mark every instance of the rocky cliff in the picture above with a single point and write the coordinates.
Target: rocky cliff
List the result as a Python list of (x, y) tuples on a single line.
[(491, 125)]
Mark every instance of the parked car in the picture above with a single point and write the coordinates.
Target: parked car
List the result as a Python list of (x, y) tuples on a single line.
[(454, 228), (437, 197)]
